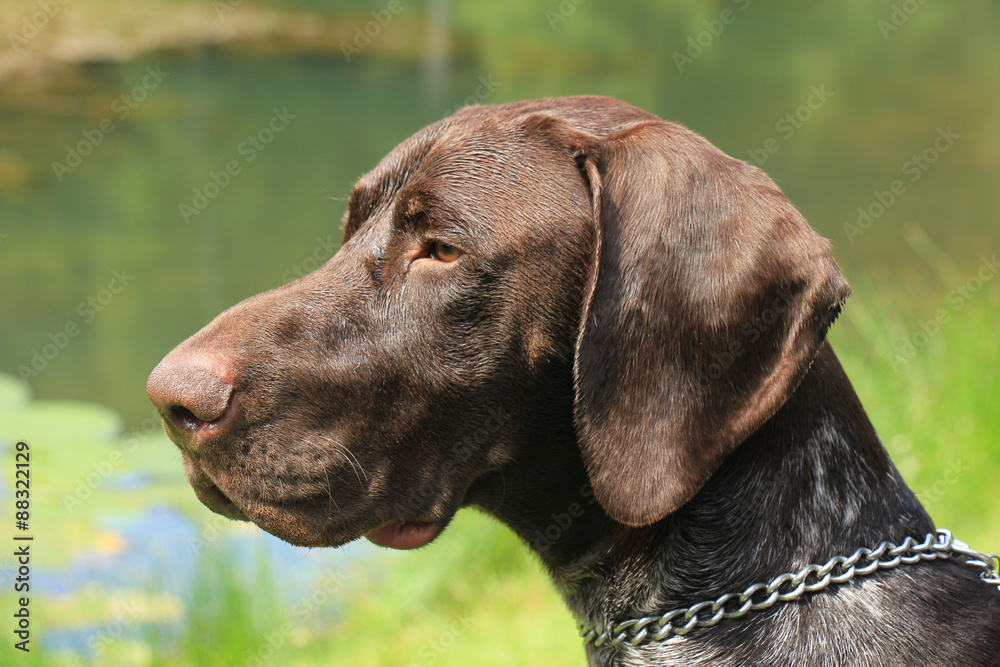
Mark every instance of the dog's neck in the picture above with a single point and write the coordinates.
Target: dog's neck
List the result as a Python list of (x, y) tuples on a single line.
[(813, 482)]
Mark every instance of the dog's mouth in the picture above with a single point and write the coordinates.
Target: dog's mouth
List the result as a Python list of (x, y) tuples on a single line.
[(210, 495), (214, 499), (405, 534), (296, 522)]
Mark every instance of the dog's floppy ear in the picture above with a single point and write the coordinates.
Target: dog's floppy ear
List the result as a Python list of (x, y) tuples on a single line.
[(708, 296)]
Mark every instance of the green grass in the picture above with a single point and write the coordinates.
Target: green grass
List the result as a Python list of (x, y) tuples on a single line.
[(936, 411), (475, 596)]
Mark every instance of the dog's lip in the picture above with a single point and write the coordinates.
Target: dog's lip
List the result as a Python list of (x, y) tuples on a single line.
[(276, 516), (216, 500), (405, 534), (280, 516), (212, 496)]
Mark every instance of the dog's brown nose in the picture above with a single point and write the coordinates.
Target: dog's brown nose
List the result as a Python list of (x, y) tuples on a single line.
[(188, 395)]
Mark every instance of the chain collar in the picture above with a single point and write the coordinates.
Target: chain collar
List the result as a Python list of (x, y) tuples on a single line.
[(792, 586)]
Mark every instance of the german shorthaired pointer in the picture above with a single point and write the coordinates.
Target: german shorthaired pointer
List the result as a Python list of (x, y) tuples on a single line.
[(593, 325)]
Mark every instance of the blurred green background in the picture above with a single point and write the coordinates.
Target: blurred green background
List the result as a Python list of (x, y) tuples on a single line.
[(878, 119)]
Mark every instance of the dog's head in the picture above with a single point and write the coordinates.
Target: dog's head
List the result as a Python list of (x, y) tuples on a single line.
[(571, 261)]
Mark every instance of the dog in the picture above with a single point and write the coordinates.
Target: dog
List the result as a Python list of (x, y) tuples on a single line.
[(571, 308)]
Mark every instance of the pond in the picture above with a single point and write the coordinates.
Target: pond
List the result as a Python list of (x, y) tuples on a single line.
[(109, 263)]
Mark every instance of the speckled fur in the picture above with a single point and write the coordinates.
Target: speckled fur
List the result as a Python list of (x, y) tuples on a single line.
[(786, 498)]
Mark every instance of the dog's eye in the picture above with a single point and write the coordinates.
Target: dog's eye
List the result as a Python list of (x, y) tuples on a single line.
[(443, 252)]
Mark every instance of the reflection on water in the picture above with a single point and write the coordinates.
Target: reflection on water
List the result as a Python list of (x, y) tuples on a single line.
[(152, 560), (111, 275), (268, 205), (132, 551)]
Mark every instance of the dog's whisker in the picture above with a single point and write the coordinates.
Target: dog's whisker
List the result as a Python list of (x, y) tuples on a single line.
[(329, 488), (351, 458)]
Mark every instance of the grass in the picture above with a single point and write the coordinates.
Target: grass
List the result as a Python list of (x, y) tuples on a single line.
[(934, 404), (477, 596)]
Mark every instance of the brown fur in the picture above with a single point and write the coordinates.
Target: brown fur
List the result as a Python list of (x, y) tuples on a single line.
[(638, 320)]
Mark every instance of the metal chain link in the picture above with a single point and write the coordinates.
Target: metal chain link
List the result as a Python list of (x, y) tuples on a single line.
[(791, 586)]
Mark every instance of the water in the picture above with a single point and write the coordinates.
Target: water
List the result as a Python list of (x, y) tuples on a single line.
[(833, 129), (155, 564), (104, 274)]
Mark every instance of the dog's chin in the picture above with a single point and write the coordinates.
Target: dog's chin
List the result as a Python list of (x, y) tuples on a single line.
[(299, 524), (214, 499), (302, 528), (306, 521)]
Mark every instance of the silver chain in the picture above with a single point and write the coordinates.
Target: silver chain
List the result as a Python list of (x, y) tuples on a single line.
[(791, 586)]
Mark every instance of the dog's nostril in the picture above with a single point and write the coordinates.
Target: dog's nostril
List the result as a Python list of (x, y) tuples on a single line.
[(183, 417), (188, 394)]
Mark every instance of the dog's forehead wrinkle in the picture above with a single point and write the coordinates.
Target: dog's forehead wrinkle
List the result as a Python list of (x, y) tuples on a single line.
[(473, 180), (425, 209), (376, 189)]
